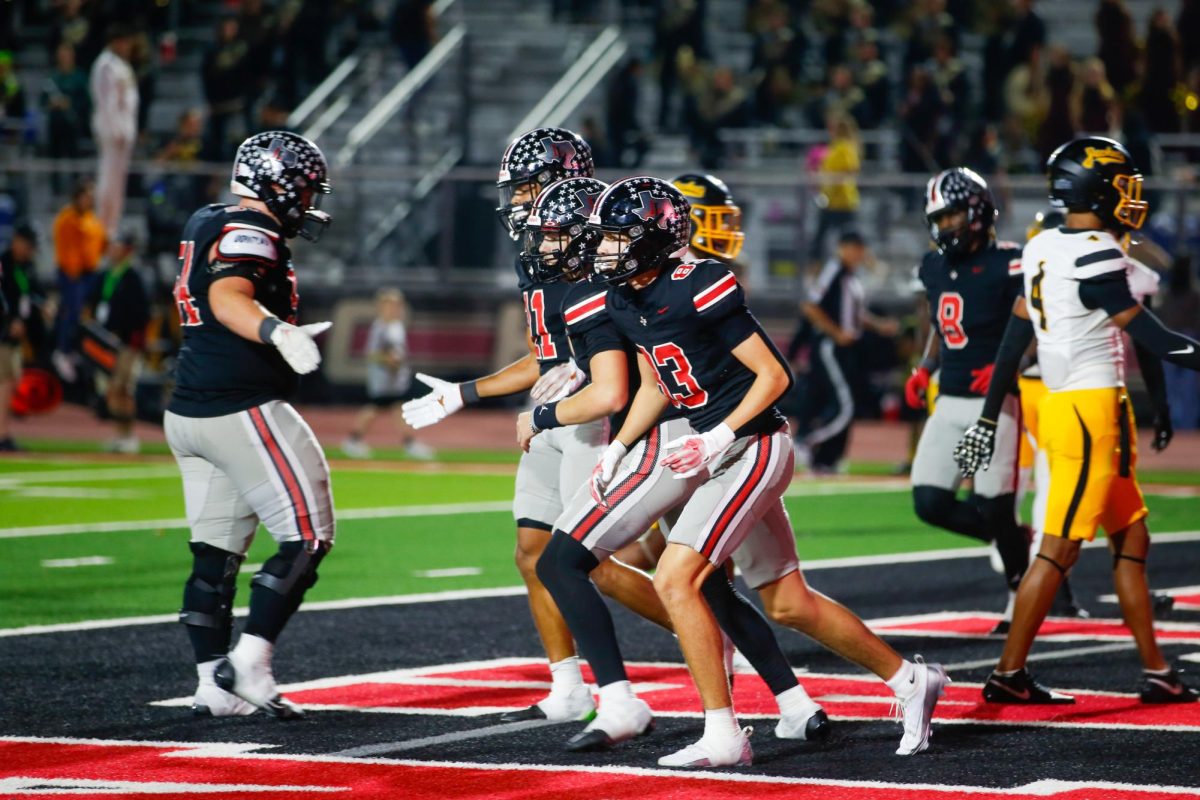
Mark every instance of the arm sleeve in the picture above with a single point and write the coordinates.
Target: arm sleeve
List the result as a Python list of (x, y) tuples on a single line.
[(1148, 331), (1108, 291), (1017, 336), (1152, 374)]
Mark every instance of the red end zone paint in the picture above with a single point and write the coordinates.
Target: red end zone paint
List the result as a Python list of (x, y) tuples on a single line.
[(974, 625), (176, 771), (669, 690)]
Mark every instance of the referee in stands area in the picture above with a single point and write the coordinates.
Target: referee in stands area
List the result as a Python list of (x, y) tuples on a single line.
[(836, 315)]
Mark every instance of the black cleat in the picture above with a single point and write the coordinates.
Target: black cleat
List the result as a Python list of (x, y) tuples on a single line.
[(529, 714), (1167, 688), (590, 740), (817, 728), (1163, 604), (1002, 628), (1020, 688)]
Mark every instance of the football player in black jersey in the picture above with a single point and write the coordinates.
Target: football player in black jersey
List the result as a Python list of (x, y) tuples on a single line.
[(971, 281), (558, 462), (245, 454), (557, 244), (702, 352)]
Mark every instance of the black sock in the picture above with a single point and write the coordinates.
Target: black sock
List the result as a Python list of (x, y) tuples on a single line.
[(278, 588), (941, 507), (999, 516), (563, 569), (751, 633)]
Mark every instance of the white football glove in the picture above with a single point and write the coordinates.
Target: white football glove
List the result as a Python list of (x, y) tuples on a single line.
[(693, 453), (974, 450), (558, 382), (296, 345), (605, 469), (444, 400)]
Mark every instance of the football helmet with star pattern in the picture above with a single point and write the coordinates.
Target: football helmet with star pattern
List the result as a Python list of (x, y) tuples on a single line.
[(288, 173), (533, 161), (650, 216), (557, 238), (960, 189)]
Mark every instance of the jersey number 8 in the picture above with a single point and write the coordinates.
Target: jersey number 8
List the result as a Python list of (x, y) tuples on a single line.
[(950, 315)]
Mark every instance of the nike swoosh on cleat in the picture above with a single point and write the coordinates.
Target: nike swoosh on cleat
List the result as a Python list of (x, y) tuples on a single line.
[(1172, 688), (1021, 695), (1186, 351)]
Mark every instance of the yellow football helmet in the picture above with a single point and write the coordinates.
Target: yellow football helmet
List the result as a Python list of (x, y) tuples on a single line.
[(716, 220)]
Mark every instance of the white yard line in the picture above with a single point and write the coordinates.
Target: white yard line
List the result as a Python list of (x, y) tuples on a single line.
[(456, 736), (1055, 655), (84, 561)]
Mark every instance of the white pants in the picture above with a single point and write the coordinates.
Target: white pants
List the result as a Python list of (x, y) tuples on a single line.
[(111, 178)]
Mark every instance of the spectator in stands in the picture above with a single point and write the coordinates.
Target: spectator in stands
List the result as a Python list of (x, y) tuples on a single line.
[(871, 76), (622, 103), (114, 122), (19, 318), (953, 89), (919, 113), (1188, 26), (1057, 126), (1094, 101), (840, 96), (1118, 48), (679, 26), (12, 96), (258, 27), (775, 97), (837, 198), (174, 195), (67, 107), (74, 28), (78, 244), (389, 376), (778, 44), (226, 83), (996, 66), (928, 23), (1162, 76), (1027, 31), (413, 29), (857, 24), (119, 303), (985, 154), (721, 103), (304, 31), (1025, 96), (1180, 308)]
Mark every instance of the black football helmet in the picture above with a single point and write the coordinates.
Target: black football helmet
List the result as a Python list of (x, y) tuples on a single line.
[(653, 214), (1098, 175), (288, 173), (716, 221), (960, 189), (561, 210), (535, 160), (1044, 220)]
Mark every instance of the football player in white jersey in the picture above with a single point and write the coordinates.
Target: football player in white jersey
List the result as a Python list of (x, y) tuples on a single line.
[(1077, 301)]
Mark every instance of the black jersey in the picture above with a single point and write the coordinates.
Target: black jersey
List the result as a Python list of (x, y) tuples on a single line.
[(220, 372), (543, 314), (687, 324), (971, 299)]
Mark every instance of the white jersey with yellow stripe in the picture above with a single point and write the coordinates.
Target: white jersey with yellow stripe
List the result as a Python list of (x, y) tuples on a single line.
[(1078, 347)]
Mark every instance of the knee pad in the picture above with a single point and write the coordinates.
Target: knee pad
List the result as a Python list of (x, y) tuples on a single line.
[(563, 558), (932, 504), (293, 570), (208, 593)]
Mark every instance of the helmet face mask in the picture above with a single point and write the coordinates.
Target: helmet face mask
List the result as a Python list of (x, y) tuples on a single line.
[(532, 162), (1097, 175), (288, 174), (959, 191), (644, 222), (557, 242)]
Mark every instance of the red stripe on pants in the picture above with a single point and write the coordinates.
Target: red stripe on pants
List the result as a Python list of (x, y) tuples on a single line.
[(284, 468), (756, 475), (623, 490)]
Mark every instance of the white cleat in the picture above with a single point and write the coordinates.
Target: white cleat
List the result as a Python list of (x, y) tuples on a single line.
[(916, 711), (356, 448), (810, 725), (732, 752), (250, 678), (211, 700), (576, 705), (614, 723)]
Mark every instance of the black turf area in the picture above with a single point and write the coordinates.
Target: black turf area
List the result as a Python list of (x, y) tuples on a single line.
[(97, 684)]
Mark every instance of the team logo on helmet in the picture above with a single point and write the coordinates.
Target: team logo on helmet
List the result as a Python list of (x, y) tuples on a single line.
[(653, 209), (561, 152), (690, 189), (1102, 155)]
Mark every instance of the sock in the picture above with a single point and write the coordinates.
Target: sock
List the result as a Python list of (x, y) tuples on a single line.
[(904, 682), (720, 723), (794, 701), (1162, 673), (565, 675), (254, 649), (1006, 673), (616, 692)]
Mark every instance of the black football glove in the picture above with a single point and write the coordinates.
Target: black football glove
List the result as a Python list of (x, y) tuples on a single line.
[(974, 450), (1163, 432)]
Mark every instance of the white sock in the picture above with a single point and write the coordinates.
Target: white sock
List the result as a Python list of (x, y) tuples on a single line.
[(1164, 672), (793, 701), (254, 649), (904, 682), (565, 675), (720, 723), (616, 692)]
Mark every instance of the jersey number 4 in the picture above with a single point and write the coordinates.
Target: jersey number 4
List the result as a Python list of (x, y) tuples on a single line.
[(1035, 294), (670, 360), (188, 313), (950, 315), (535, 316)]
